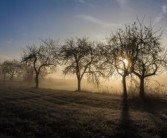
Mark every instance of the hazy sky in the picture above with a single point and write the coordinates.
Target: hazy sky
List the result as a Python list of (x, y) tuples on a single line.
[(27, 21)]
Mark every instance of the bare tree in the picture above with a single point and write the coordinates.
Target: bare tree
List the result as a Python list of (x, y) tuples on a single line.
[(118, 53), (150, 55), (10, 68), (80, 57), (41, 57), (116, 59), (3, 71)]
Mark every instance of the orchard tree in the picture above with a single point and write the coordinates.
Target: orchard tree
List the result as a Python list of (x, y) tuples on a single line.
[(10, 68), (151, 56), (118, 53), (42, 57), (3, 71), (116, 59), (81, 57)]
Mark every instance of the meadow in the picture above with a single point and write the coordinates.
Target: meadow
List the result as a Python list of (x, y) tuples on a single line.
[(47, 113)]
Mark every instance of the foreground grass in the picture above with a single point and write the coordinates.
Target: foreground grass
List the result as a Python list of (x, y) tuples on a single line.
[(44, 113)]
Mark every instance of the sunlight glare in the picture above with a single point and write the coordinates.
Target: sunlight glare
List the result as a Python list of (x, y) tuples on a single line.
[(126, 62)]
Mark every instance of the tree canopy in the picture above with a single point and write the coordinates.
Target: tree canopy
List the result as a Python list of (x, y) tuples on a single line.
[(41, 57)]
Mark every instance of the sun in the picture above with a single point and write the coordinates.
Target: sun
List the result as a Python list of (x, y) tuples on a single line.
[(126, 63), (122, 64)]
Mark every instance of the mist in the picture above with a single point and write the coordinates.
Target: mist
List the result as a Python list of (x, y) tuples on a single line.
[(155, 84)]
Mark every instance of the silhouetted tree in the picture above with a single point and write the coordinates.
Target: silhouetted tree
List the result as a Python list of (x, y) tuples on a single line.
[(117, 55), (3, 71), (41, 57), (10, 68), (150, 56), (80, 57)]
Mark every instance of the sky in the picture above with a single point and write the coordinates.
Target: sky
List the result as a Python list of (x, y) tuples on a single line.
[(24, 22)]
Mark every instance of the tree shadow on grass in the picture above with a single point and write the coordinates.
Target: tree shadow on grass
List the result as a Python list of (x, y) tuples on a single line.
[(125, 128), (148, 104), (156, 109)]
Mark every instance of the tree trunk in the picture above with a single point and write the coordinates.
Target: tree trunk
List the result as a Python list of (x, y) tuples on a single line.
[(142, 87), (79, 84), (37, 80), (124, 85)]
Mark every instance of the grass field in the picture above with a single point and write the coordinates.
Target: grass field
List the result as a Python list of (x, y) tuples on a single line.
[(44, 113)]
